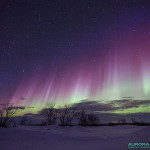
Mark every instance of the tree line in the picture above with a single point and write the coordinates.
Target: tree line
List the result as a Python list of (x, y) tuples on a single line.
[(64, 116), (67, 114)]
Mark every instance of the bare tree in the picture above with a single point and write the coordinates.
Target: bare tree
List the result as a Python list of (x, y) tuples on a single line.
[(92, 119), (6, 114), (50, 114), (87, 119), (82, 117), (66, 115)]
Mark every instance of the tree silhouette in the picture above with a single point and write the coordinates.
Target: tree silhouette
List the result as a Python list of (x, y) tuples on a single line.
[(50, 114), (6, 114)]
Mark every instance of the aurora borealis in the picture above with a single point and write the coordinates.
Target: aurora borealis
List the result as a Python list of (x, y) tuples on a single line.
[(66, 52)]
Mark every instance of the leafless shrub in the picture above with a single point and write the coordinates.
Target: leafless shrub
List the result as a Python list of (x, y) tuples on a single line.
[(82, 117), (87, 119), (6, 114), (50, 114), (66, 115), (92, 119)]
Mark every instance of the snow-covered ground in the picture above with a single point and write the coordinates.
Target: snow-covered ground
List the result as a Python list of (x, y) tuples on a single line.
[(72, 138)]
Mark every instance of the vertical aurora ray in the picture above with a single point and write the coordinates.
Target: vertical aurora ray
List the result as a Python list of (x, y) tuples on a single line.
[(113, 77), (103, 72)]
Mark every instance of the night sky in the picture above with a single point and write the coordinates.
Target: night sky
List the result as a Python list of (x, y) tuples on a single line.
[(72, 50)]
